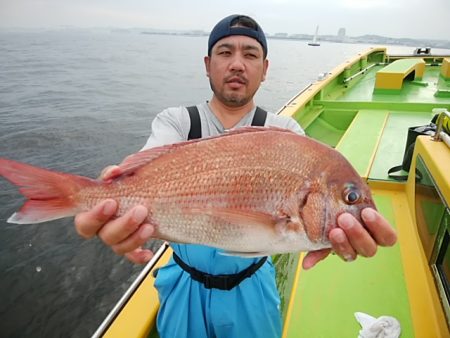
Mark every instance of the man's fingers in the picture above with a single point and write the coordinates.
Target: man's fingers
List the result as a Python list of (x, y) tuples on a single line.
[(139, 256), (90, 222), (110, 172), (351, 238), (379, 227), (361, 240), (121, 228), (313, 257), (341, 245), (135, 240)]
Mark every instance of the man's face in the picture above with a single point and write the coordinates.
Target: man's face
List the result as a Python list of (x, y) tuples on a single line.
[(236, 69)]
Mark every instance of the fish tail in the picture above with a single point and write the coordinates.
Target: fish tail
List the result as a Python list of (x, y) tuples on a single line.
[(50, 195)]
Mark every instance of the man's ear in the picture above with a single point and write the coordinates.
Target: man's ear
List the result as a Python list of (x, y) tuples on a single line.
[(207, 60), (266, 66)]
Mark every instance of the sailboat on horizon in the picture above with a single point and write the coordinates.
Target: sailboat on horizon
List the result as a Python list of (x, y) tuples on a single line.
[(314, 41)]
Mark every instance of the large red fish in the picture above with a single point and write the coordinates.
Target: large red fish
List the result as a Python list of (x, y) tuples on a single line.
[(253, 191)]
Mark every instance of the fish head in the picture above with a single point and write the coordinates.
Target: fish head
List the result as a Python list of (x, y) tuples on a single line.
[(326, 201), (328, 187)]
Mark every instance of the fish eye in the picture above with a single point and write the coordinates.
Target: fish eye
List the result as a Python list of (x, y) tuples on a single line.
[(351, 196)]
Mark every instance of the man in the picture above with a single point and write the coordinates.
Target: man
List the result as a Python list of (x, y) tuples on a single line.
[(194, 301)]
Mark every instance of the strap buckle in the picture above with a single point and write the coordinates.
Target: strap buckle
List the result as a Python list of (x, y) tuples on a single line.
[(221, 282)]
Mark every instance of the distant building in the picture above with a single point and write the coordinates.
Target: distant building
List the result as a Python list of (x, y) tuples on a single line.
[(300, 36), (281, 35), (196, 33)]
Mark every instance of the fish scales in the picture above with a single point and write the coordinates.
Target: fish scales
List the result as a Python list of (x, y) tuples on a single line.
[(254, 191)]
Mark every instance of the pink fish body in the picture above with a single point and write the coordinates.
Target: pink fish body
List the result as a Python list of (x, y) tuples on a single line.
[(253, 191)]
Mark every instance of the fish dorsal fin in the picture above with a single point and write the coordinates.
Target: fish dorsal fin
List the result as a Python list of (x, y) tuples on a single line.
[(137, 160), (252, 129), (133, 162)]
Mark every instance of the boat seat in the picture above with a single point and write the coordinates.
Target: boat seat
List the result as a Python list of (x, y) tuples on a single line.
[(360, 141), (445, 68), (391, 77)]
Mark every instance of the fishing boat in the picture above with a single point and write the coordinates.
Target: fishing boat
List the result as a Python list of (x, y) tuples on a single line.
[(363, 108), (314, 40)]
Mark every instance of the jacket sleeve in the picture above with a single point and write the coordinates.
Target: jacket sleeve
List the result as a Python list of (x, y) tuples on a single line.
[(286, 122), (295, 126)]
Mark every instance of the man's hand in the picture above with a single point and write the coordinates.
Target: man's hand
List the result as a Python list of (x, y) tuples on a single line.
[(351, 238), (126, 234)]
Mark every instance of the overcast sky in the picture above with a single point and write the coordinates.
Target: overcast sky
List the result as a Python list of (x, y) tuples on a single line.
[(394, 18)]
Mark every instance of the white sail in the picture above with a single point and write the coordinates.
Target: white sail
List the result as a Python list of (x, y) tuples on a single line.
[(314, 41)]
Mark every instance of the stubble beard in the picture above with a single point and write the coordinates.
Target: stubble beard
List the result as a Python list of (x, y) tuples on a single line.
[(231, 99)]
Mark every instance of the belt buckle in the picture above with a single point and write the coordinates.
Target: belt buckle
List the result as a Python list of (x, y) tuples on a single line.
[(207, 281), (217, 282)]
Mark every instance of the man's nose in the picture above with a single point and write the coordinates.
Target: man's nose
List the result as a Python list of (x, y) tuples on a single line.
[(237, 63)]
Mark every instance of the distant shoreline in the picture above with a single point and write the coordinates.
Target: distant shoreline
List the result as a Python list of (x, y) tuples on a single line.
[(365, 39)]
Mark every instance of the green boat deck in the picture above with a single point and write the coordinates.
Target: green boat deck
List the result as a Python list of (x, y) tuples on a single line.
[(369, 127), (392, 143), (422, 92), (376, 287)]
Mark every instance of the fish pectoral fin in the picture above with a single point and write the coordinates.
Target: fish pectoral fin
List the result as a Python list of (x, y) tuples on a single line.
[(240, 217), (290, 219), (294, 204), (245, 254), (294, 225), (287, 227)]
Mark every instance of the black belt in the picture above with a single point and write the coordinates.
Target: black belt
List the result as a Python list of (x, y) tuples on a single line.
[(222, 282)]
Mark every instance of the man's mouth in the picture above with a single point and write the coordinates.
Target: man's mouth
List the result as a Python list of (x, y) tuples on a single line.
[(236, 79)]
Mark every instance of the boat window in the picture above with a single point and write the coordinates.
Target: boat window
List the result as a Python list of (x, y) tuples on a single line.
[(433, 223), (441, 268), (443, 260), (429, 207)]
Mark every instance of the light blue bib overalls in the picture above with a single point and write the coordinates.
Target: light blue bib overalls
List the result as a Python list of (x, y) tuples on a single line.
[(193, 308), (188, 308)]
